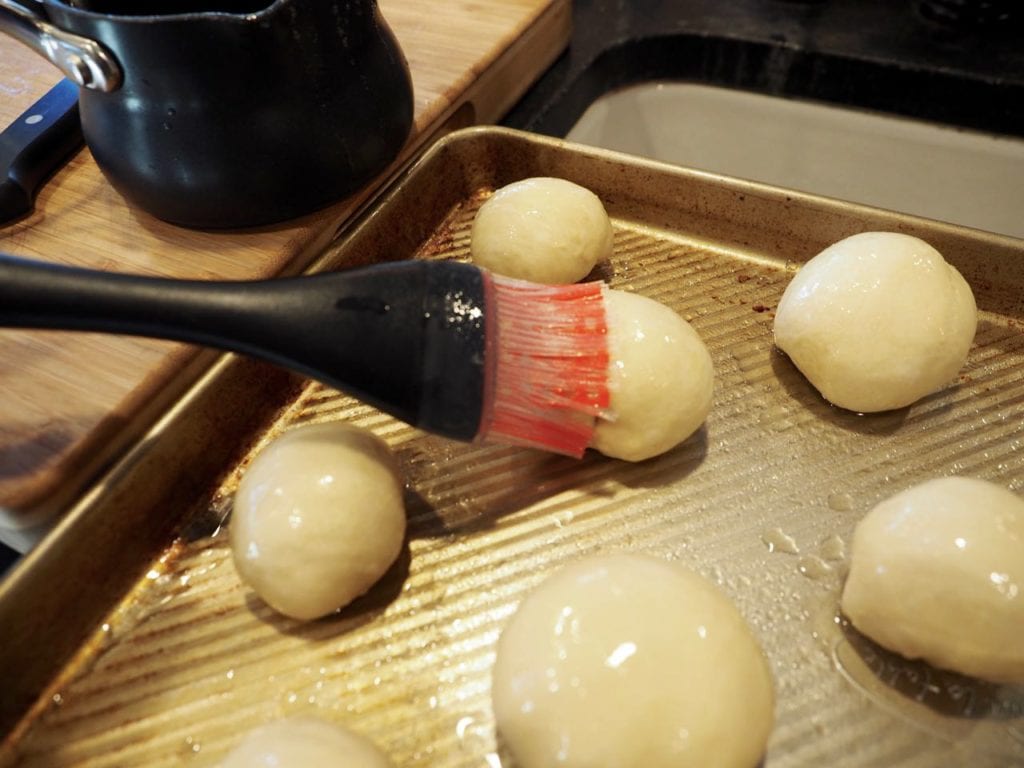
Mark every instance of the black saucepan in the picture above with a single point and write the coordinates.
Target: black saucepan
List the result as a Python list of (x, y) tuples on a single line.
[(228, 113)]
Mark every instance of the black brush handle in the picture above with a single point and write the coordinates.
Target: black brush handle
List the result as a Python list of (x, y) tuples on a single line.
[(35, 145), (408, 337)]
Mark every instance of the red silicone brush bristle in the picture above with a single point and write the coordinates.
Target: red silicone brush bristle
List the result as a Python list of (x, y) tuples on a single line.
[(547, 373)]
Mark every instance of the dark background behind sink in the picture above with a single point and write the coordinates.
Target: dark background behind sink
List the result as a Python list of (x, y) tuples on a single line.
[(882, 55)]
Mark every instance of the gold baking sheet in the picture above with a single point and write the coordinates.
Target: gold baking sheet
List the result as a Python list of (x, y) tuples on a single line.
[(180, 659)]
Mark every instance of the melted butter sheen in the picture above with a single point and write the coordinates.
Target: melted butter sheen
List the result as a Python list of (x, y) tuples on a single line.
[(877, 321), (937, 573), (318, 518), (545, 230), (660, 378), (625, 660)]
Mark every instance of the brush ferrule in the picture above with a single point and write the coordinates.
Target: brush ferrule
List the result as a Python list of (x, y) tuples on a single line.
[(454, 351)]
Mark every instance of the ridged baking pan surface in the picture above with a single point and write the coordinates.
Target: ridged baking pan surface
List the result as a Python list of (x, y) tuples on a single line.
[(762, 501)]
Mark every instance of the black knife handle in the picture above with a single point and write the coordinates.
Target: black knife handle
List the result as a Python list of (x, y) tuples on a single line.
[(35, 145)]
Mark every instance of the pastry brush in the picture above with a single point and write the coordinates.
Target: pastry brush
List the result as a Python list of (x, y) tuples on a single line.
[(447, 347)]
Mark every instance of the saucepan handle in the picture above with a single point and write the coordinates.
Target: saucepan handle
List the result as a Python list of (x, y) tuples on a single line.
[(82, 60)]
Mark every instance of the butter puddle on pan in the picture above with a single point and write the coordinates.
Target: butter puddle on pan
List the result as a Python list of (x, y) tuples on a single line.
[(973, 713)]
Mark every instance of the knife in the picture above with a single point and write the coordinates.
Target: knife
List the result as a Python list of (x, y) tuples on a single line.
[(34, 146)]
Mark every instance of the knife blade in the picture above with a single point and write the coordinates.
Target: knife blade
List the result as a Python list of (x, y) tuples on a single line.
[(34, 146)]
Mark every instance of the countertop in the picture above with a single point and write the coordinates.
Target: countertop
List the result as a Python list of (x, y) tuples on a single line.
[(72, 403)]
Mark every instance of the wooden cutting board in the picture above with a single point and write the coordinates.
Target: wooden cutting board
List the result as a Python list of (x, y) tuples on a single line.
[(70, 404)]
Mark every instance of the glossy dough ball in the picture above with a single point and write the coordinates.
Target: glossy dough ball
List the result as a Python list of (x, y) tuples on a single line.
[(937, 573), (305, 742), (877, 321), (628, 661), (659, 375), (318, 518), (543, 230)]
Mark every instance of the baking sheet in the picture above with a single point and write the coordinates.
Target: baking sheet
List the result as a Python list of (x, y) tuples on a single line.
[(762, 501)]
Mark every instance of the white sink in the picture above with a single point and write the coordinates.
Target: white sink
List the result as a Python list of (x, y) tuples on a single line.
[(951, 175)]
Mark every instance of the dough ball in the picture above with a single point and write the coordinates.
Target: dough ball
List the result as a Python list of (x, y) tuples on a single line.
[(318, 518), (543, 230), (937, 573), (627, 661), (877, 321), (659, 375), (305, 742)]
